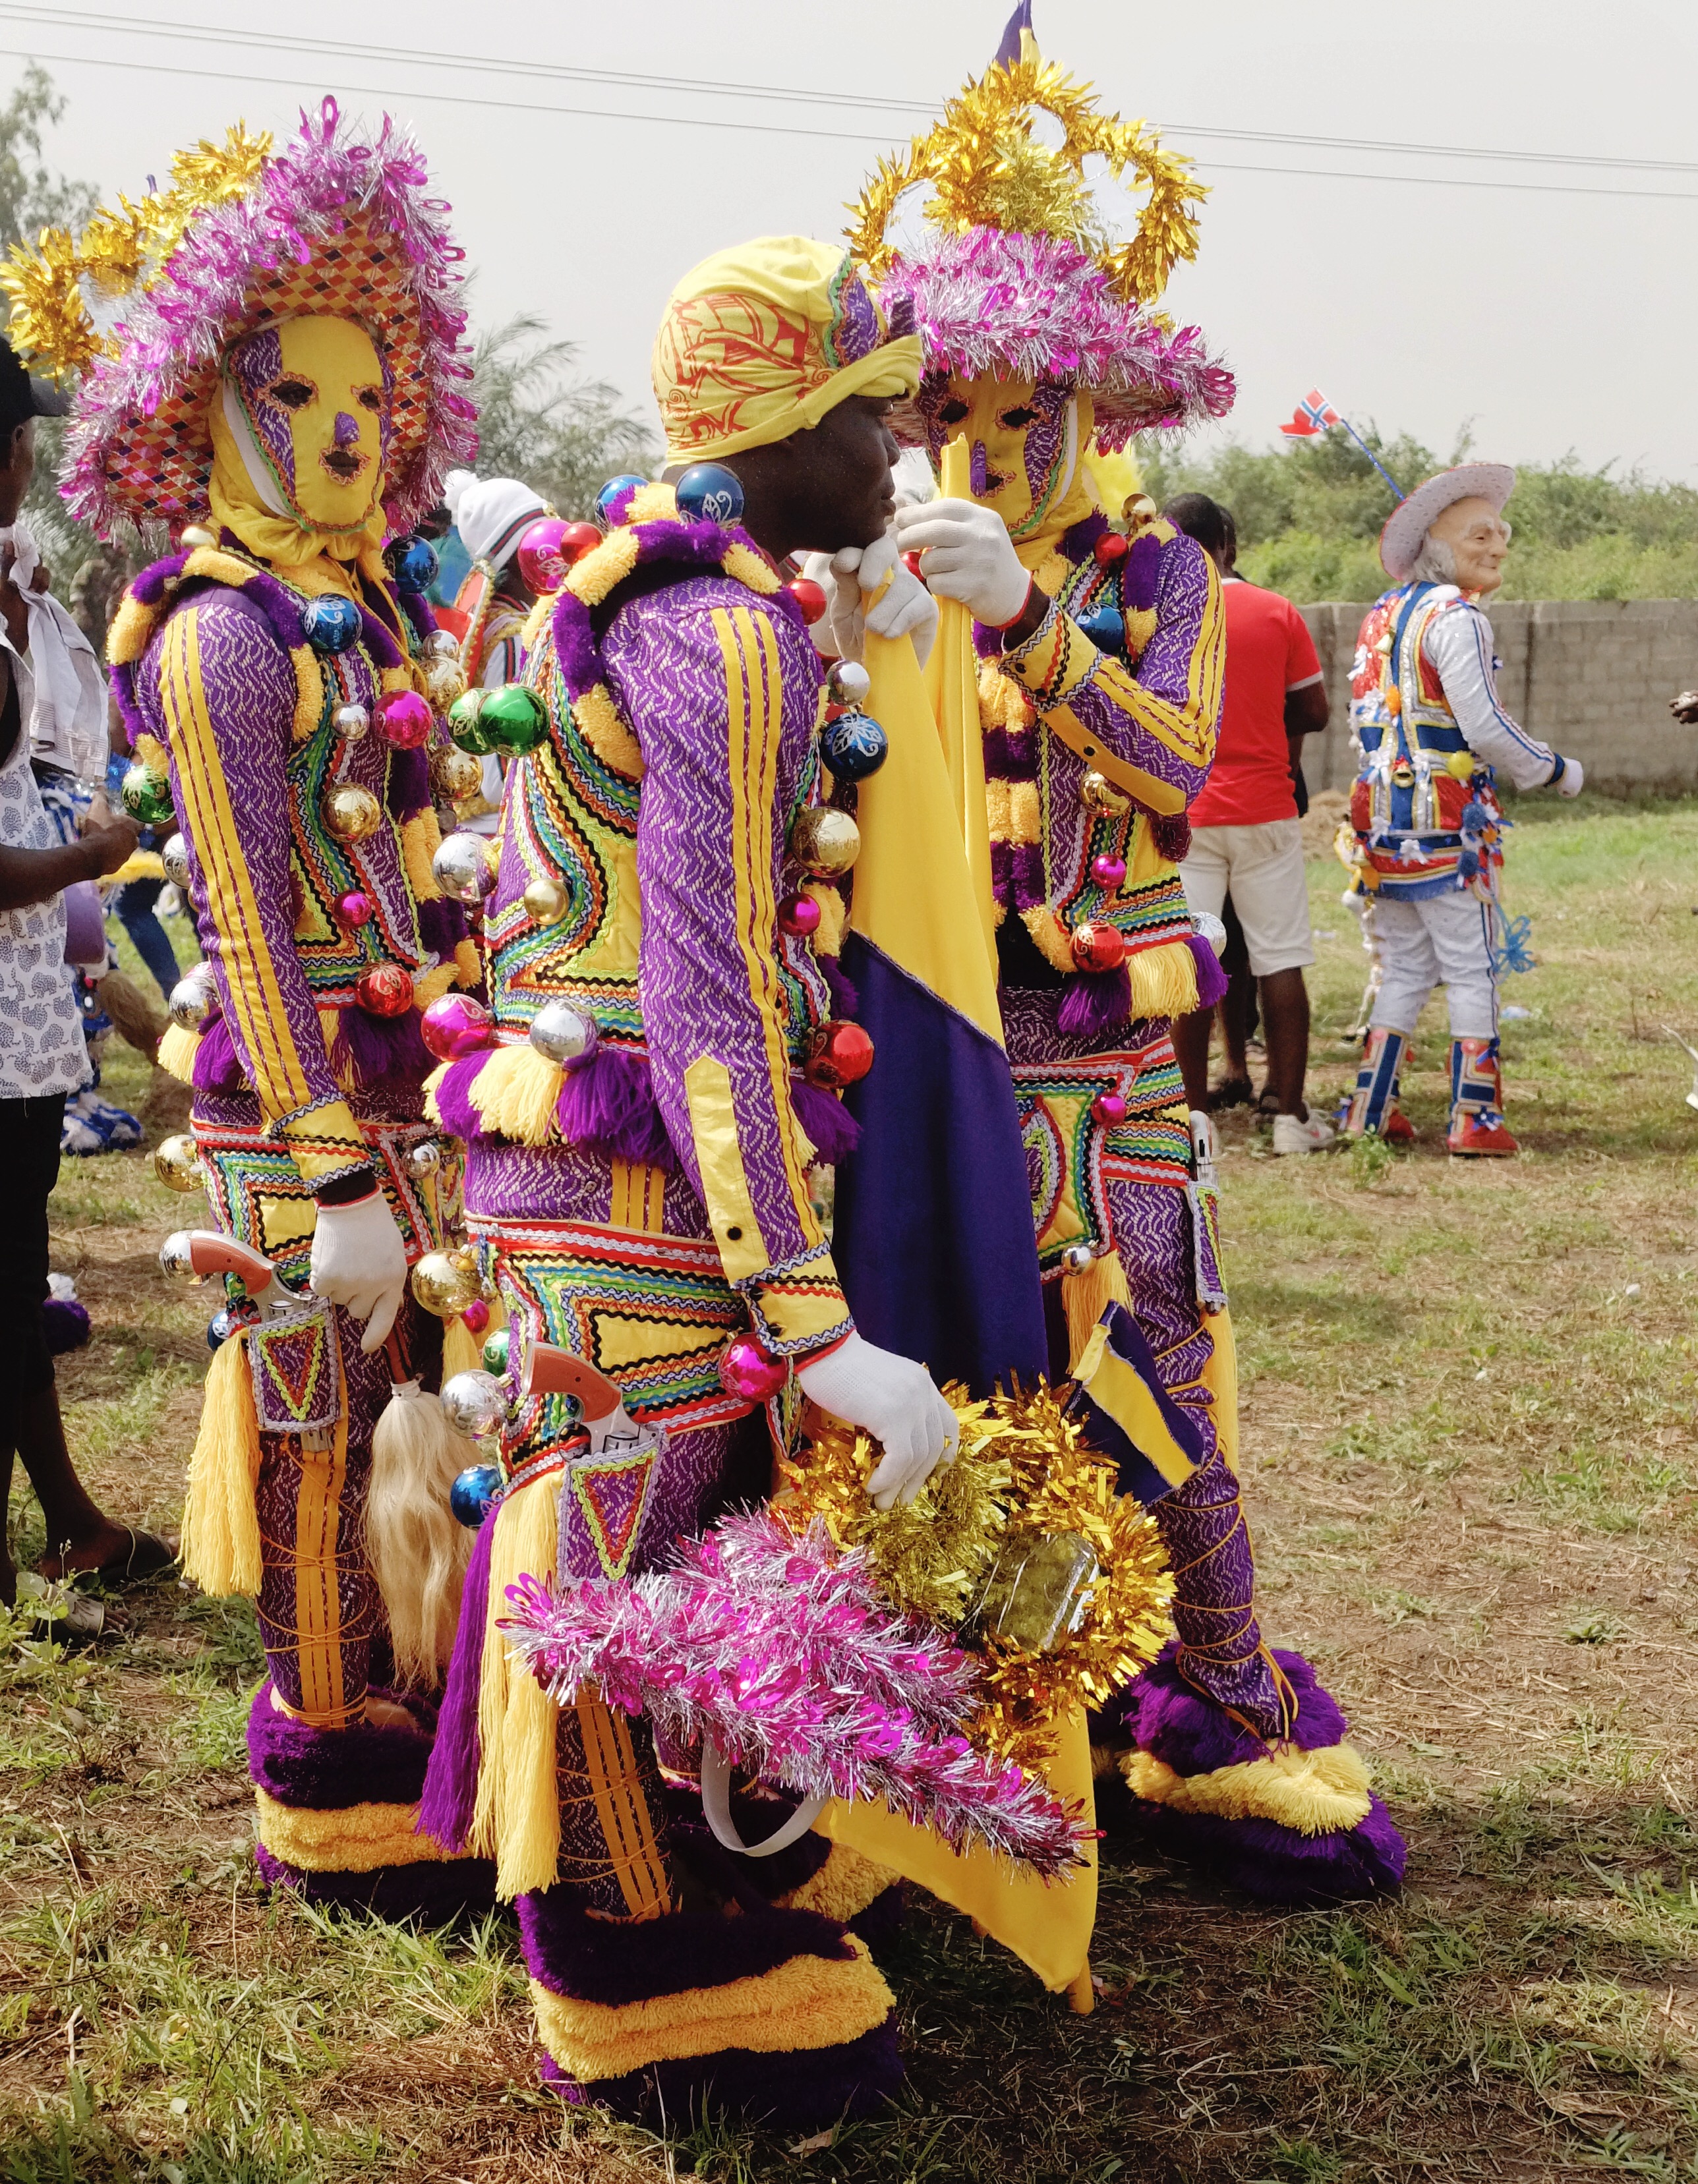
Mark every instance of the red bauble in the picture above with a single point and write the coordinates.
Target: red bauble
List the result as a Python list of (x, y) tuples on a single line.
[(1110, 548), (541, 562), (842, 1055), (1110, 1110), (406, 720), (476, 1315), (799, 914), (1108, 872), (910, 563), (747, 1372), (385, 990), (809, 596), (356, 907), (1098, 948), (578, 539)]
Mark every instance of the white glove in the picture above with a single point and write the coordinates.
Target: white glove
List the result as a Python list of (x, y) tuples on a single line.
[(359, 1262), (894, 1400), (969, 556), (849, 578), (1573, 777)]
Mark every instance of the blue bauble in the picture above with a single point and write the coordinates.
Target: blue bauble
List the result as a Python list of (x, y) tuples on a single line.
[(616, 489), (220, 1327), (412, 563), (331, 624), (473, 1494), (1106, 627), (710, 492), (853, 745)]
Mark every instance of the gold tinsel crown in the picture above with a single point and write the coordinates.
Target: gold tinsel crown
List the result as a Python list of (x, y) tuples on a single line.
[(119, 250), (987, 168)]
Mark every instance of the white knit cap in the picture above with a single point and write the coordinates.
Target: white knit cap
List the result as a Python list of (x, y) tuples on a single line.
[(491, 515)]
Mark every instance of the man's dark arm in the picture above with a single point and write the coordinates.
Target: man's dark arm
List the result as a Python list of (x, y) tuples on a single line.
[(1306, 710), (31, 876)]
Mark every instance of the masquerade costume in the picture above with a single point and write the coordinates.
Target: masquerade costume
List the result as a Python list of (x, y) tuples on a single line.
[(1098, 730), (287, 385), (639, 1139), (1426, 720)]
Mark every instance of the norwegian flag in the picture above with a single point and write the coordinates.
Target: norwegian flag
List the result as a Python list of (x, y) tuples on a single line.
[(1314, 415)]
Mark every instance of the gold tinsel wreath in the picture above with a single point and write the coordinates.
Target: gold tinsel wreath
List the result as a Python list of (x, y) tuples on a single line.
[(988, 169), (1022, 1466), (50, 323)]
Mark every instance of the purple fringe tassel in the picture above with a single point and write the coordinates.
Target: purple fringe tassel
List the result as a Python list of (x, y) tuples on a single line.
[(609, 1106), (216, 1068), (450, 1782), (1093, 1002), (833, 1130), (845, 1000), (459, 1118), (1211, 979), (380, 1050), (442, 927), (64, 1324)]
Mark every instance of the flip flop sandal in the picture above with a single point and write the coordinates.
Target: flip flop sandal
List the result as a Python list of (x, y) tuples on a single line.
[(62, 1616)]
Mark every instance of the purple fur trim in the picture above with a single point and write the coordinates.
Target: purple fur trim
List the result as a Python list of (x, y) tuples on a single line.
[(1078, 540), (433, 1891), (1028, 874), (1010, 755), (833, 1130), (1276, 1865), (1002, 870), (326, 1770), (409, 790), (216, 1068), (799, 2089), (600, 1960), (987, 642), (416, 608), (378, 640), (459, 1118), (442, 927), (1171, 831), (1140, 573), (1211, 978), (450, 1782), (784, 600), (64, 1324), (845, 1000), (1093, 1002), (376, 1050), (150, 587), (670, 540), (123, 681), (1175, 1723), (609, 1106), (574, 645)]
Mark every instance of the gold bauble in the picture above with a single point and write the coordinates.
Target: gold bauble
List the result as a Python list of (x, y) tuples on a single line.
[(445, 681), (350, 813), (545, 902), (442, 1285), (1095, 795), (825, 840), (177, 1162), (455, 773)]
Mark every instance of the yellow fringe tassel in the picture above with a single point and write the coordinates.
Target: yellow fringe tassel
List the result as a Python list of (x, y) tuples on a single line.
[(220, 1525), (1086, 1297), (177, 1050), (517, 1817), (421, 839), (833, 917), (1317, 1793), (1164, 980), (514, 1094), (462, 1351)]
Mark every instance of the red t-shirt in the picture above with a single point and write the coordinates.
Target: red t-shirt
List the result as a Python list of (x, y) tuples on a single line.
[(1269, 652)]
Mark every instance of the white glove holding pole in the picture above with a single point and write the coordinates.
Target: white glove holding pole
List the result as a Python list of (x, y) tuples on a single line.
[(896, 1402), (967, 555), (1573, 777), (849, 577), (359, 1262)]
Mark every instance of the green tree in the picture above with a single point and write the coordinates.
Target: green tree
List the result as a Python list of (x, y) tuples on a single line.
[(564, 436)]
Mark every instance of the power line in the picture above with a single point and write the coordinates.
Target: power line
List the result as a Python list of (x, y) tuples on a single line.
[(699, 87), (830, 136)]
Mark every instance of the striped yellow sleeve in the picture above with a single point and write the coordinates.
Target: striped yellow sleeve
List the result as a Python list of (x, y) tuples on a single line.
[(325, 1141)]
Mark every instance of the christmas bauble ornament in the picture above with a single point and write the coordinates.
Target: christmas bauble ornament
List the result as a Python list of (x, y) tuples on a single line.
[(799, 914), (385, 990), (541, 563), (474, 1403), (220, 1327), (809, 596), (356, 907), (825, 840), (578, 539), (854, 746), (1095, 795), (454, 774), (174, 857), (464, 867), (1106, 627), (473, 1493), (476, 1315), (710, 492), (747, 1372), (444, 681), (841, 1054), (177, 1162), (349, 812), (465, 724), (406, 720), (1110, 1110), (194, 535), (441, 644), (147, 796), (847, 682), (564, 1034), (1110, 548), (412, 563), (350, 723), (911, 562), (1098, 948), (513, 718), (456, 1024), (609, 501), (176, 1257), (190, 1000), (442, 1287), (1108, 872), (1078, 1259), (329, 624), (545, 902), (495, 1352), (1209, 927), (422, 1160)]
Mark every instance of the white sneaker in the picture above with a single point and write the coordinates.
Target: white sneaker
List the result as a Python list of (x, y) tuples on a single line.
[(1292, 1136)]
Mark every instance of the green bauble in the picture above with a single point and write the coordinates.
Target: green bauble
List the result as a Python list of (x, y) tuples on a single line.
[(495, 1351), (147, 796), (514, 718), (465, 724)]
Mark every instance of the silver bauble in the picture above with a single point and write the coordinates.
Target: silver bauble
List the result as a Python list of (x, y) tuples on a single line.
[(442, 644), (463, 868), (174, 1255), (847, 682), (423, 1159), (563, 1033), (174, 857), (1078, 1259), (190, 1001), (350, 723), (474, 1403)]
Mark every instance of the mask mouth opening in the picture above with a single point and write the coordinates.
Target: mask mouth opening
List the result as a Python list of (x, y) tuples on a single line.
[(345, 464)]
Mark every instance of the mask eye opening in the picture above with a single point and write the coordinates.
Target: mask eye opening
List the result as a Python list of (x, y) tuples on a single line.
[(292, 391), (1017, 419), (371, 398), (954, 411)]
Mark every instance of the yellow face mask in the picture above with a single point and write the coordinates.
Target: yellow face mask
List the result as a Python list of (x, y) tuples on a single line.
[(1026, 437), (316, 396)]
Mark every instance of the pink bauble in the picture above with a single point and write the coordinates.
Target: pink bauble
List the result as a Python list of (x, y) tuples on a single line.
[(456, 1024), (476, 1315), (541, 562), (1109, 872), (1098, 948), (406, 720), (747, 1372), (1110, 1110), (356, 907), (799, 914)]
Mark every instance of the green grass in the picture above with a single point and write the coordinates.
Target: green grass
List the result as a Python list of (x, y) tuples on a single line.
[(1469, 1460)]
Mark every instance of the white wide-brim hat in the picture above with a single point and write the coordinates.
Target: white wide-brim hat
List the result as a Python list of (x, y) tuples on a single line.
[(1411, 520)]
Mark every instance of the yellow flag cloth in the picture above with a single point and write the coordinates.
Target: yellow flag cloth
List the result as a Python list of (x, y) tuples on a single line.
[(952, 685), (1046, 1924)]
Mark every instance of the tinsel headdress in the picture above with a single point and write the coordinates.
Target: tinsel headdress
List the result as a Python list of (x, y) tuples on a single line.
[(1019, 273), (338, 222)]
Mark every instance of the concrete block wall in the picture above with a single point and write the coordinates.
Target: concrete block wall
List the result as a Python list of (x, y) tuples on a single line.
[(1591, 677)]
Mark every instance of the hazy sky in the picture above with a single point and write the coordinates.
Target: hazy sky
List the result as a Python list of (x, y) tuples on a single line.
[(1549, 320)]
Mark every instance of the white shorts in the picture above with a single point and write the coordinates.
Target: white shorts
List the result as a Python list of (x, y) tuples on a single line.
[(1261, 868)]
